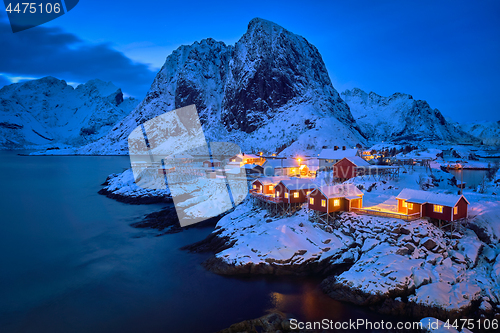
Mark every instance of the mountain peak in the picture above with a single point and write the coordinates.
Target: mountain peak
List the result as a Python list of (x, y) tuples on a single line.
[(262, 23)]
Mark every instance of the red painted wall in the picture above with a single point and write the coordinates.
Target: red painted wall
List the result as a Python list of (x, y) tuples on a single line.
[(282, 190), (344, 169), (318, 196), (463, 206)]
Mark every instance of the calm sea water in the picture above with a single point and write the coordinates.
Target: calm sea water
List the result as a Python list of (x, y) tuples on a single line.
[(71, 263), (473, 177)]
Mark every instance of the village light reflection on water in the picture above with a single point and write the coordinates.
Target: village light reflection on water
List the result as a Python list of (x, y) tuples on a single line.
[(312, 302)]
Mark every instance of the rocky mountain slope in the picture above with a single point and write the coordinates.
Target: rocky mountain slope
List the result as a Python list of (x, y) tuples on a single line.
[(48, 113), (486, 131), (399, 117), (270, 91)]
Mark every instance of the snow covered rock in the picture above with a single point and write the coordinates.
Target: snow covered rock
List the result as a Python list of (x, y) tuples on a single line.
[(48, 112), (400, 117), (487, 131), (122, 187)]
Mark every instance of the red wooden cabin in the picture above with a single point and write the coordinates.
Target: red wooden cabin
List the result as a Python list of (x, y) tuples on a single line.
[(294, 190), (445, 207), (335, 198), (349, 167), (213, 163), (265, 185)]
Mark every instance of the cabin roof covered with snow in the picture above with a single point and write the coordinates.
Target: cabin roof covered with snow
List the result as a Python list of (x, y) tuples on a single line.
[(271, 180), (278, 163), (298, 184), (421, 197), (358, 161), (242, 156), (251, 166), (330, 154), (348, 191)]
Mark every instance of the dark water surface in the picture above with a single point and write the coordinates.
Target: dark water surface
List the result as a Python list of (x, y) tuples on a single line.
[(70, 262)]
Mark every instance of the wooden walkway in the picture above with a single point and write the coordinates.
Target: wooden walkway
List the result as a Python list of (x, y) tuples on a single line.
[(265, 198), (365, 211)]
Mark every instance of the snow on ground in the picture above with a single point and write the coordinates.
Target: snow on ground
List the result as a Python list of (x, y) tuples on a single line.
[(486, 214), (261, 239), (427, 153), (123, 184)]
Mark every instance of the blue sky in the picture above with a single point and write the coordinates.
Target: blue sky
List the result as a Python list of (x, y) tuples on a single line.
[(445, 52)]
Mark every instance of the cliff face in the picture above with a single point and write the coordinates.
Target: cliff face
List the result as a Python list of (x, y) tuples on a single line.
[(48, 112), (400, 117), (270, 90)]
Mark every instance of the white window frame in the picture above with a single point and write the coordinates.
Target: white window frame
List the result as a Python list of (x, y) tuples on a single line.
[(296, 195), (410, 205), (323, 203), (336, 202)]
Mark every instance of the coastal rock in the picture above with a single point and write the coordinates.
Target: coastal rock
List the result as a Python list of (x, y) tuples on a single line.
[(428, 243), (122, 187), (271, 323)]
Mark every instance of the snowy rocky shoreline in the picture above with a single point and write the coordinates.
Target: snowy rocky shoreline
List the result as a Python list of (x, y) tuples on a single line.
[(392, 266)]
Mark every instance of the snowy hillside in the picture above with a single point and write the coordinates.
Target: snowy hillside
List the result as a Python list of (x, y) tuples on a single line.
[(48, 112), (270, 90), (400, 117), (487, 131)]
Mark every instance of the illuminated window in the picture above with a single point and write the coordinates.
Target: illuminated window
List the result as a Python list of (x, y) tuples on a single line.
[(296, 195), (410, 206), (323, 203), (270, 187), (311, 201), (308, 192), (278, 193), (455, 210), (254, 186), (336, 202), (260, 187), (438, 208), (404, 204), (286, 195)]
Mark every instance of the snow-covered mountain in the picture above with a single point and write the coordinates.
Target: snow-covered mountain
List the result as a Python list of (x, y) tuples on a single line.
[(400, 117), (48, 112), (269, 91), (487, 131)]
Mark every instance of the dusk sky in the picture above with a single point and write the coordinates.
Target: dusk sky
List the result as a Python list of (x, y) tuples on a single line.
[(444, 52)]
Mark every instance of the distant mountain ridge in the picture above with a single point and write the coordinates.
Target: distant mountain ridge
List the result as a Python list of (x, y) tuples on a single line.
[(270, 91), (400, 117), (48, 112), (486, 131)]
